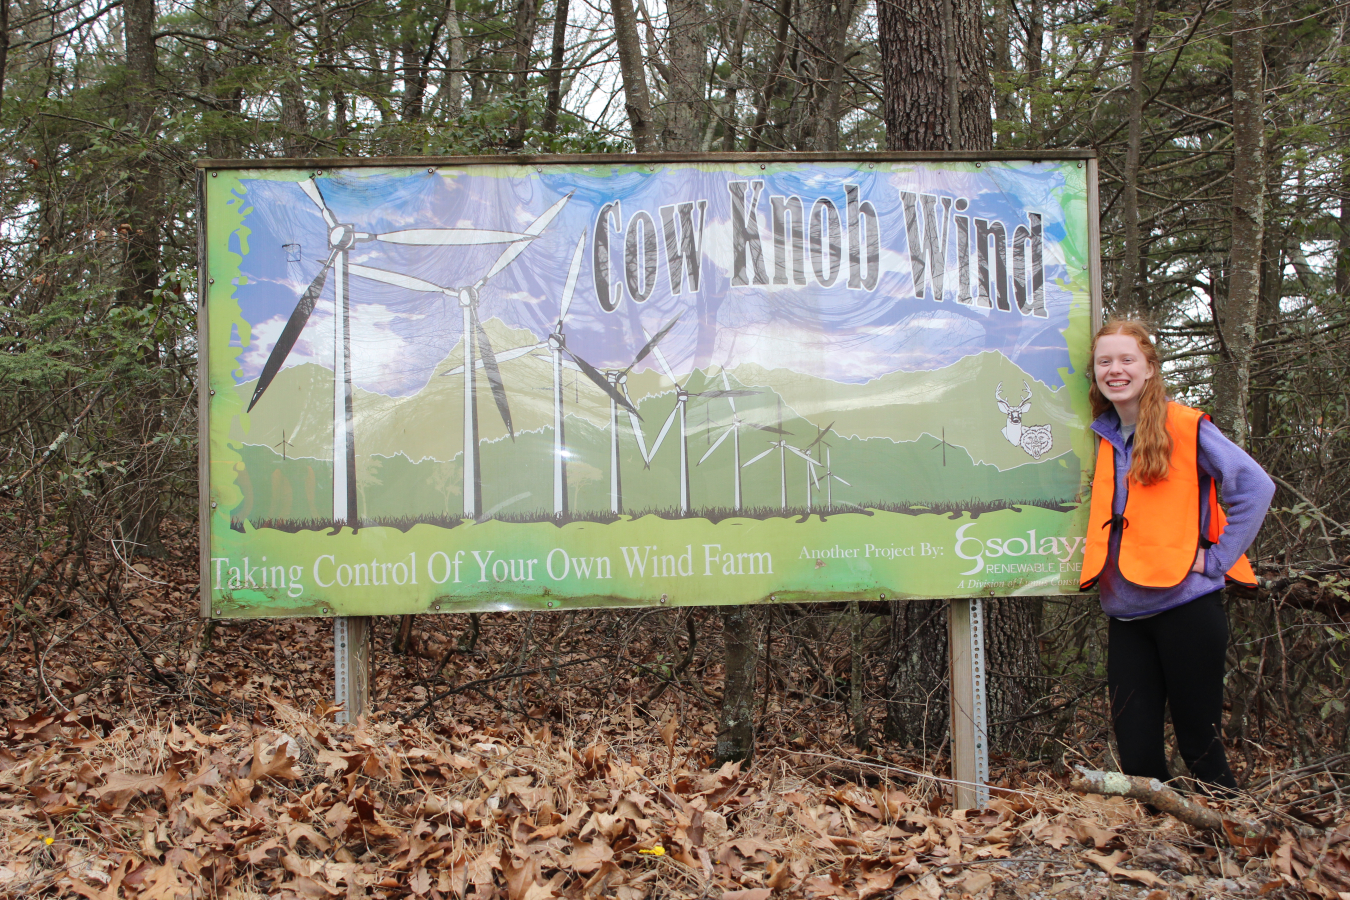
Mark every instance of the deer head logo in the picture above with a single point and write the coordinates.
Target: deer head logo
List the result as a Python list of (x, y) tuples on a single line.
[(1034, 439), (1013, 430)]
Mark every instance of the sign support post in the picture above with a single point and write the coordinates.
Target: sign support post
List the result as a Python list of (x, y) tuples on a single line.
[(970, 738), (351, 658)]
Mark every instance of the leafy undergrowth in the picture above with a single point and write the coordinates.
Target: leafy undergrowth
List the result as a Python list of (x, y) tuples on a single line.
[(145, 753)]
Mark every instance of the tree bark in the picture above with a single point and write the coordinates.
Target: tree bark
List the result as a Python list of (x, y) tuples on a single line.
[(1237, 313), (412, 72), (1343, 241), (553, 103), (685, 50), (734, 77), (141, 507), (454, 81), (740, 633), (1034, 65), (916, 49), (294, 119), (771, 80), (1128, 301), (527, 19), (637, 99), (1001, 44)]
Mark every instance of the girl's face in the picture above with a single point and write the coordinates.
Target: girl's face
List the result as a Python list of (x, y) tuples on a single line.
[(1121, 372)]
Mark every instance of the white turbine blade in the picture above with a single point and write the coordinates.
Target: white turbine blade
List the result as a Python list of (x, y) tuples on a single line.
[(803, 456), (717, 443), (661, 358), (536, 228), (566, 363), (312, 190), (814, 478), (501, 358), (665, 428), (516, 353), (761, 456), (641, 441), (572, 274), (726, 385), (397, 279), (840, 480), (451, 237)]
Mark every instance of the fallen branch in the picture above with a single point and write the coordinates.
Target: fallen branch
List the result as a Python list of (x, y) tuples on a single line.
[(1165, 799)]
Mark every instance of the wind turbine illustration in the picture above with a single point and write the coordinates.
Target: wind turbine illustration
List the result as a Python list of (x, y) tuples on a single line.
[(944, 445), (734, 431), (809, 449), (556, 344), (342, 237), (682, 395), (283, 444), (829, 487), (487, 360), (782, 446), (618, 379)]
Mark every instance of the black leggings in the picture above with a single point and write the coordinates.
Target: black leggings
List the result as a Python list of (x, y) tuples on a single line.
[(1172, 660)]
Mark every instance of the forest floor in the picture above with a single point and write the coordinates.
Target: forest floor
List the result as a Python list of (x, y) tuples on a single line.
[(145, 753)]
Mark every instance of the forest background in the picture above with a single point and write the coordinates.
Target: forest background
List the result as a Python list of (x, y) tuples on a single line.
[(1223, 133)]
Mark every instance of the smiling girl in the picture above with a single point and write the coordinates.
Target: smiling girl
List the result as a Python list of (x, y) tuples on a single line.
[(1159, 549)]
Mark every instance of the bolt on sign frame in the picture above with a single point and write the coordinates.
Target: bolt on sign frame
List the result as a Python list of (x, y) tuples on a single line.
[(533, 383)]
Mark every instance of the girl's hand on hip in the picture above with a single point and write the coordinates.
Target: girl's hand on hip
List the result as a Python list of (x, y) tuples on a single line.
[(1200, 560)]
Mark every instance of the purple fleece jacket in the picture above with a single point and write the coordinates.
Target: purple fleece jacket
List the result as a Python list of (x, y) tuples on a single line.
[(1246, 492)]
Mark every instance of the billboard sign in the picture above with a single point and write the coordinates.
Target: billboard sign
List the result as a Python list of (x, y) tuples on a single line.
[(448, 385)]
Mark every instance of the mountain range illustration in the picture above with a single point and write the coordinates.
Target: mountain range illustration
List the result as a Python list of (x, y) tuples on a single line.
[(756, 442)]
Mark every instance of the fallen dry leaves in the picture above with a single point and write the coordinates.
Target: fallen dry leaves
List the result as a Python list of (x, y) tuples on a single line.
[(105, 810)]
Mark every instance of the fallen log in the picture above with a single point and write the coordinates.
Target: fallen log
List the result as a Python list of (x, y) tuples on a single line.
[(1237, 831)]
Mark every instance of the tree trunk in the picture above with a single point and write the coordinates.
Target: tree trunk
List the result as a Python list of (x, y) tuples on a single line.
[(412, 72), (1128, 302), (917, 49), (1343, 242), (637, 99), (1237, 313), (555, 67), (917, 686), (294, 120), (734, 77), (141, 508), (454, 81), (740, 634), (1005, 107), (526, 20), (771, 80), (1034, 64), (685, 51)]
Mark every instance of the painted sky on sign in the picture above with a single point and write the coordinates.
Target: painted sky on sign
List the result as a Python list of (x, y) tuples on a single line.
[(845, 334)]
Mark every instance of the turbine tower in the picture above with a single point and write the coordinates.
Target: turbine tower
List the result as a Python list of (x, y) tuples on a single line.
[(809, 449), (733, 430), (556, 343), (682, 395), (782, 446), (829, 474), (342, 237)]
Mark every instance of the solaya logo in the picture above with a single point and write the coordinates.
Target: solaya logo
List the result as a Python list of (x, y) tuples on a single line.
[(1049, 549)]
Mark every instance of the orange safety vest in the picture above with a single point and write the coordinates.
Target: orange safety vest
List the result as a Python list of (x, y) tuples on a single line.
[(1161, 523)]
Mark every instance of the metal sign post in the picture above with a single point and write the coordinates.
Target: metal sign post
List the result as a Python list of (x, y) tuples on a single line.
[(351, 657), (970, 737)]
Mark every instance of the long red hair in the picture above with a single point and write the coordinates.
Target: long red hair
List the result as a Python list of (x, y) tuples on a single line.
[(1152, 441)]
